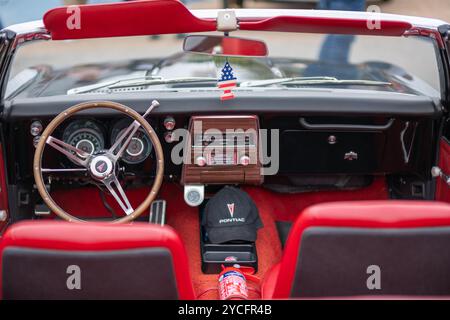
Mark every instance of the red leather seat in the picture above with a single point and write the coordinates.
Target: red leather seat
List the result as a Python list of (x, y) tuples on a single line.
[(61, 260), (331, 247)]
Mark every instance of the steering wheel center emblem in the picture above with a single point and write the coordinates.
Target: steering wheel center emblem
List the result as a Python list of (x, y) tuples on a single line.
[(101, 167)]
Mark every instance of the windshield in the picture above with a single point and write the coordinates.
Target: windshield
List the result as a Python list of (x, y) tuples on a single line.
[(110, 65)]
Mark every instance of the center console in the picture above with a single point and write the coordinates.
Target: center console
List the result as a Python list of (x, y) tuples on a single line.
[(221, 150), (216, 256)]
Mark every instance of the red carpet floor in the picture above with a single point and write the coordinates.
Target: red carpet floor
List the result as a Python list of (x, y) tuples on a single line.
[(286, 207), (185, 221)]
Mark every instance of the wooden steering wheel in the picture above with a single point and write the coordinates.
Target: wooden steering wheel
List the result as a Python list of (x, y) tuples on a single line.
[(102, 166)]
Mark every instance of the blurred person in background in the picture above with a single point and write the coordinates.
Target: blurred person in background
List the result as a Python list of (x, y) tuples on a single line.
[(334, 55), (336, 47)]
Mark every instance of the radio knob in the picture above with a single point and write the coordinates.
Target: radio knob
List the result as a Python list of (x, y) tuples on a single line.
[(200, 161), (169, 123), (244, 160)]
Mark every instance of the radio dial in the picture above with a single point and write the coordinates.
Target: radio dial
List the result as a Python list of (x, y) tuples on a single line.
[(244, 160), (200, 161)]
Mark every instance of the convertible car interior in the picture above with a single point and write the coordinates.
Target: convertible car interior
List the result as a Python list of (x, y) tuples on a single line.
[(154, 175)]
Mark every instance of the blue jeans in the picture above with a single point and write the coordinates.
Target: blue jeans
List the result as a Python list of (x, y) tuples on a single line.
[(346, 5), (336, 47)]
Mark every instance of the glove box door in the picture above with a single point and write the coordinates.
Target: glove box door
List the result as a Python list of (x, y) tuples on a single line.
[(332, 151)]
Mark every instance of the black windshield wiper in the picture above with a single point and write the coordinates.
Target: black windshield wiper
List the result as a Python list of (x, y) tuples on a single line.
[(136, 82), (312, 81)]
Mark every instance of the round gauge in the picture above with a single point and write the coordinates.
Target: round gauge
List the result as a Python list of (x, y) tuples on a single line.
[(193, 196), (85, 135), (139, 147)]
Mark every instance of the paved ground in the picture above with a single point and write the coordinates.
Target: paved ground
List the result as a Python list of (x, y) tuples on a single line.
[(393, 50)]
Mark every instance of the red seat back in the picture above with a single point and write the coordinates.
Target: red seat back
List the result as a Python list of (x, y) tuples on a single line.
[(331, 248), (61, 260)]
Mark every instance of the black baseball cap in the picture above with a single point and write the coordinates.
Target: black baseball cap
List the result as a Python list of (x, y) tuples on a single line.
[(231, 215)]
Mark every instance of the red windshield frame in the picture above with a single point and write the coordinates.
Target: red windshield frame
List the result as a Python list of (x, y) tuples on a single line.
[(151, 17), (133, 18)]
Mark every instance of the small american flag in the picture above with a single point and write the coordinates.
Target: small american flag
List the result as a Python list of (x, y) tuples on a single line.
[(227, 82)]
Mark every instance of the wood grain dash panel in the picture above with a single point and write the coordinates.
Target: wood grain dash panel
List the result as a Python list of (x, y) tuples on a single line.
[(218, 173)]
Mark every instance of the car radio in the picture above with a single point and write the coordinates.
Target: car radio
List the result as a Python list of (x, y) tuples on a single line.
[(222, 149)]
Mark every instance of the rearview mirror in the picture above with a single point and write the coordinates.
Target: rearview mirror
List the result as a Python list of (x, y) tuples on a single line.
[(224, 46)]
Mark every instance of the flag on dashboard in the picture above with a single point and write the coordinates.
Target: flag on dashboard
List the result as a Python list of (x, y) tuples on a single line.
[(227, 82)]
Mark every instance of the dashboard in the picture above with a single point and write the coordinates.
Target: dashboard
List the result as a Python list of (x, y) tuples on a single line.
[(306, 145), (321, 138)]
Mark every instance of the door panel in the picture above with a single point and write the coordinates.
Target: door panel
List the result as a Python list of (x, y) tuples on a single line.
[(442, 189)]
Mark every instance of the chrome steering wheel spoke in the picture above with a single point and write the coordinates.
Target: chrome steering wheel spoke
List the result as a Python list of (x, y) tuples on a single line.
[(64, 170), (115, 188), (66, 149), (121, 144), (123, 141)]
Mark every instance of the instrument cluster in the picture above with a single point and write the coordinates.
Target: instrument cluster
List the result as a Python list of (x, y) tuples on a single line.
[(139, 147), (93, 137)]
